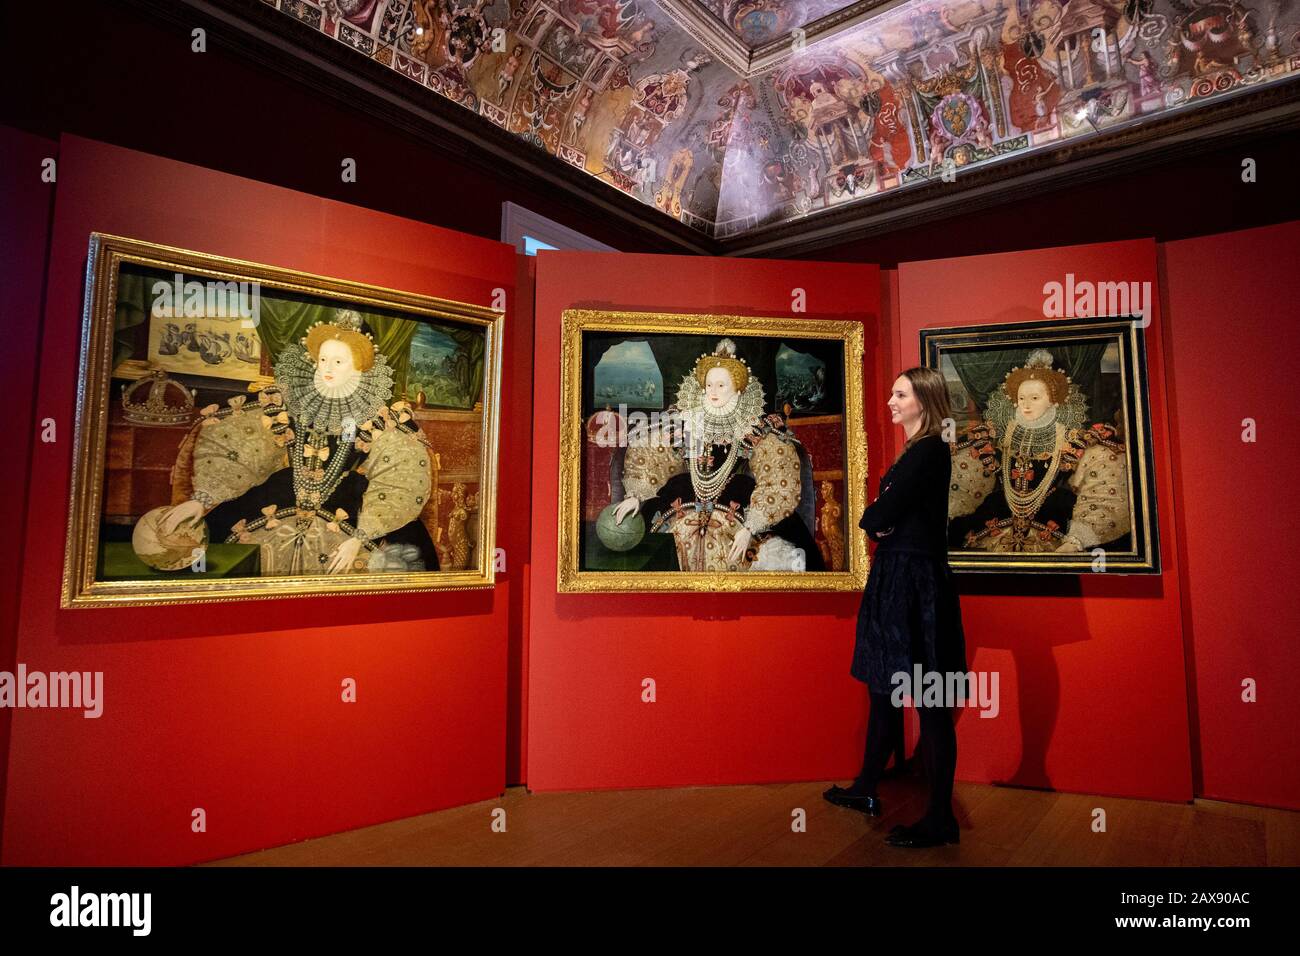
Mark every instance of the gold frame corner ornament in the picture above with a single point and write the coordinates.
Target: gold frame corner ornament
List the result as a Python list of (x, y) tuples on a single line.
[(107, 253), (570, 579)]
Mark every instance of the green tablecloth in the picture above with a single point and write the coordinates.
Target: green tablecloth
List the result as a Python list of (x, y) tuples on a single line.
[(117, 562), (656, 552)]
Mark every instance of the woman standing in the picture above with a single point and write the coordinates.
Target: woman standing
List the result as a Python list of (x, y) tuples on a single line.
[(910, 613)]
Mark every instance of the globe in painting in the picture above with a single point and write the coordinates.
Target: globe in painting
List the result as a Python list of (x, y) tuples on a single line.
[(619, 537), (167, 551)]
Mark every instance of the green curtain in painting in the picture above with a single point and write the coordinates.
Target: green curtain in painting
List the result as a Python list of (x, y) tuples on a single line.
[(130, 311), (284, 322), (393, 338), (982, 372)]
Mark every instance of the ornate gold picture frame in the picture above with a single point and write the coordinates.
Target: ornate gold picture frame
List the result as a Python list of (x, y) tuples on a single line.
[(711, 453), (245, 431)]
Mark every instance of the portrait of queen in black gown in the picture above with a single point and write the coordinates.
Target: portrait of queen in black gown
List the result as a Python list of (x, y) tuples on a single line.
[(1035, 475), (320, 472), (728, 483)]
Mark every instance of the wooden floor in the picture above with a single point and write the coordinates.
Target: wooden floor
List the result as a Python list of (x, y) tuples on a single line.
[(752, 826)]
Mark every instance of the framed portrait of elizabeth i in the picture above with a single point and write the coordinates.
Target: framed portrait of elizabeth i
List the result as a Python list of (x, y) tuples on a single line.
[(707, 452), (247, 431), (1052, 458)]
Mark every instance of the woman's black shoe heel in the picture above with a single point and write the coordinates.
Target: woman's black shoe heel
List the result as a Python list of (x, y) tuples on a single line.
[(863, 804)]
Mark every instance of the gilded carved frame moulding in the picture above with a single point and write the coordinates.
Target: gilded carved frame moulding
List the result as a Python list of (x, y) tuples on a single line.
[(571, 578), (107, 254)]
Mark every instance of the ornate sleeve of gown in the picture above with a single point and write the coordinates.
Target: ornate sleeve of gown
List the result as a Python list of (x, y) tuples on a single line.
[(649, 463), (974, 473), (399, 477), (233, 454), (775, 466), (1100, 481)]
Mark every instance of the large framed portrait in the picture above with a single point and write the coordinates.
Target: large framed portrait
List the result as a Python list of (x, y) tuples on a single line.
[(1051, 444), (246, 431), (707, 452)]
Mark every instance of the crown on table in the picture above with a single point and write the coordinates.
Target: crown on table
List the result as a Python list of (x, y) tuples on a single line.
[(157, 399)]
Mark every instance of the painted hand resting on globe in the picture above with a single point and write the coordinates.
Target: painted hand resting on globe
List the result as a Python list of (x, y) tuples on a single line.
[(187, 512), (629, 506)]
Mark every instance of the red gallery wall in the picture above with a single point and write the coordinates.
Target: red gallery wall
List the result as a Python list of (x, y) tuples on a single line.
[(750, 687), (24, 238), (1093, 682), (1232, 329), (235, 708)]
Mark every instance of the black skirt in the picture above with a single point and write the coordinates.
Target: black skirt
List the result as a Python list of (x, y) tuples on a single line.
[(910, 614)]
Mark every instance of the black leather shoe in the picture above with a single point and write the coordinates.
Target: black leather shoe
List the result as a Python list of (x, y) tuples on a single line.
[(843, 798), (919, 837)]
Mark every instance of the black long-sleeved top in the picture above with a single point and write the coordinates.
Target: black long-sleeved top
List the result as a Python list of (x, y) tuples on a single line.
[(913, 501)]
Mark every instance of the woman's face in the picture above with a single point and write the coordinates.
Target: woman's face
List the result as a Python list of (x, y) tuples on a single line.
[(718, 387), (334, 363), (904, 406), (1033, 400)]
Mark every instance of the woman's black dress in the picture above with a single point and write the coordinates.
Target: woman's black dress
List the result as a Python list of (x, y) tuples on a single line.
[(910, 611)]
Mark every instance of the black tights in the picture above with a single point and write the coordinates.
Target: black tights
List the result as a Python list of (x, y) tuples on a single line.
[(938, 746)]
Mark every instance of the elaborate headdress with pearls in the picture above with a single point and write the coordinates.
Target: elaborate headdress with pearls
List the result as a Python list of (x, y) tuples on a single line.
[(346, 327), (724, 356), (329, 411), (1071, 405), (720, 426), (1038, 368)]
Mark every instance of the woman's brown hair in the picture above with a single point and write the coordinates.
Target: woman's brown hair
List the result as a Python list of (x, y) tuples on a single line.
[(932, 392)]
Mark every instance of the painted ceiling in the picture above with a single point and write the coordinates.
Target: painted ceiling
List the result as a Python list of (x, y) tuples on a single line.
[(756, 22), (655, 105)]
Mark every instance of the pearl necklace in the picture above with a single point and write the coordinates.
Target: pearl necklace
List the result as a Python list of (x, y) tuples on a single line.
[(708, 485), (1025, 506)]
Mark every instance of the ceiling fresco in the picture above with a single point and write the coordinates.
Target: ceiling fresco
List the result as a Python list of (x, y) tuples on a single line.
[(621, 90), (755, 22)]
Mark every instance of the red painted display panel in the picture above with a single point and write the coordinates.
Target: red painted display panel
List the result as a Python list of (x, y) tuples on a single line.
[(24, 239), (1232, 330), (750, 687), (235, 708), (1092, 677)]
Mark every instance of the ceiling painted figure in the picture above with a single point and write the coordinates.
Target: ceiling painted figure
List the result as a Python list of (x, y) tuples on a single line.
[(624, 90)]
